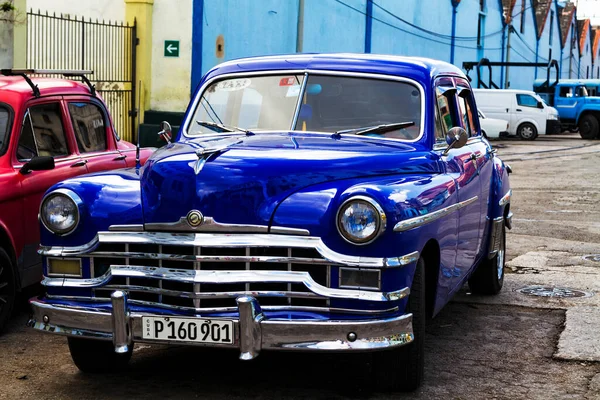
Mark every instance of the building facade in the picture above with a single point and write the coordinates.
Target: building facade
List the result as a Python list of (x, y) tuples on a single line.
[(208, 32)]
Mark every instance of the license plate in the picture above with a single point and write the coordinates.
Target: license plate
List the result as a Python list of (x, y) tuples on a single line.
[(200, 330)]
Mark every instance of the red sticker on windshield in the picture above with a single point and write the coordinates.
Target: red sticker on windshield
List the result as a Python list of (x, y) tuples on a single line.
[(287, 81)]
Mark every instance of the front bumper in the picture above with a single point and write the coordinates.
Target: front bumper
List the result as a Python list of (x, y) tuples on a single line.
[(253, 332)]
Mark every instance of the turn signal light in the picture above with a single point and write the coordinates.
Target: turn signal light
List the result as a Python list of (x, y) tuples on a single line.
[(357, 278), (64, 267)]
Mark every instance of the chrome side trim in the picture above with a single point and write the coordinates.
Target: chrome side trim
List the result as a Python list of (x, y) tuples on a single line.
[(221, 240), (427, 218), (403, 260), (505, 199), (224, 277), (210, 225), (127, 228), (226, 309), (253, 332)]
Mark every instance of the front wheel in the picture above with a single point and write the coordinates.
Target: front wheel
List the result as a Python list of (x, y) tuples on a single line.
[(96, 356), (527, 131), (488, 278), (589, 127), (403, 368), (7, 288)]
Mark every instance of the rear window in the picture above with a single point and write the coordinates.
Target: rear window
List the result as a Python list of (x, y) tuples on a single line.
[(4, 121)]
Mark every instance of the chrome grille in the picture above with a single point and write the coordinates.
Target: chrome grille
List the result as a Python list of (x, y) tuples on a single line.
[(203, 258)]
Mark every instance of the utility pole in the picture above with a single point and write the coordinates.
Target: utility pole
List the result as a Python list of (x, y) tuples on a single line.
[(507, 81)]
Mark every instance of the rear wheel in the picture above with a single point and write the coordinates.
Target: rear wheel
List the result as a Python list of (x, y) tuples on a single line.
[(527, 131), (7, 288), (97, 356), (589, 127), (403, 368), (488, 278)]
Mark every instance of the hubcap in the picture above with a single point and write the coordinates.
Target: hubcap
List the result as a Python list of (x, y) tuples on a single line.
[(526, 132)]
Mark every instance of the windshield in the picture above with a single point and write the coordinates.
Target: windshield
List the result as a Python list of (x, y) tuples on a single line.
[(324, 103), (4, 118)]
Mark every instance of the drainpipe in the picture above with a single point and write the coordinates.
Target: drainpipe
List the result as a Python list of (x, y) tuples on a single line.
[(537, 49), (452, 43), (368, 25), (507, 82), (502, 58), (300, 27)]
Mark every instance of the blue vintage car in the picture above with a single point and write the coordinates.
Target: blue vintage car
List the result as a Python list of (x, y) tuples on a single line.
[(325, 203)]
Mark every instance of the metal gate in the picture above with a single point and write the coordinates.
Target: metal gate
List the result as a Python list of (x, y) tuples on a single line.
[(108, 49)]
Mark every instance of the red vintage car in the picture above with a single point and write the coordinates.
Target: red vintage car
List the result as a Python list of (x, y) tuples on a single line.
[(50, 130)]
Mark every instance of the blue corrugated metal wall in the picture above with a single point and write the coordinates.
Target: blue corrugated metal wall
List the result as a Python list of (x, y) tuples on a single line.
[(407, 27)]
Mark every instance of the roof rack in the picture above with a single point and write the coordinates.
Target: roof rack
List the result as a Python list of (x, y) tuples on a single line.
[(64, 72)]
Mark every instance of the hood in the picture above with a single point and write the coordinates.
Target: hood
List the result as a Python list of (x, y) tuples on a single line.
[(242, 179)]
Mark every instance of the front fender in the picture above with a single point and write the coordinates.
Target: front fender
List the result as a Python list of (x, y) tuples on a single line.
[(401, 197), (108, 198)]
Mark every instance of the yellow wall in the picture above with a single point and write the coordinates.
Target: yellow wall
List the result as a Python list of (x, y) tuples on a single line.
[(141, 12)]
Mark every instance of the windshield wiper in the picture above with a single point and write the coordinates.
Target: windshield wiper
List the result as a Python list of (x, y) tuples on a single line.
[(223, 127), (381, 129)]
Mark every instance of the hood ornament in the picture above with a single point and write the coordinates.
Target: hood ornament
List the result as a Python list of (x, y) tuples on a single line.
[(195, 218), (206, 152)]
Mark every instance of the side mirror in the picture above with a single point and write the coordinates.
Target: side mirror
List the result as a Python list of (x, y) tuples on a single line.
[(39, 163), (540, 105), (165, 131), (455, 138)]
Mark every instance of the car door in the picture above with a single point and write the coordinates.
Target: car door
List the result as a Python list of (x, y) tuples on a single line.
[(42, 134), (460, 165), (93, 134), (481, 155), (527, 108), (469, 186), (566, 102)]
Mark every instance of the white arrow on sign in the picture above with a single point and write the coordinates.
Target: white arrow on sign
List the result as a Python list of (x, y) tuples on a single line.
[(171, 48)]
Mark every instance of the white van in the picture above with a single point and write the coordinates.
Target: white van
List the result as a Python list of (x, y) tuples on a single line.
[(527, 114)]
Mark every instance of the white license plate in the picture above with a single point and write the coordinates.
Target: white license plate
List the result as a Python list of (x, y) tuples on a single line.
[(188, 329)]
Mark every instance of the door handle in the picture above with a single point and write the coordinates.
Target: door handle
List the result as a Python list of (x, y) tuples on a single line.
[(475, 156), (119, 158), (80, 163), (518, 109)]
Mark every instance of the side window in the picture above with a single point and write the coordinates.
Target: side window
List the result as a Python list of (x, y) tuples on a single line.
[(4, 119), (466, 114), (566, 91), (42, 133), (444, 92), (526, 100), (89, 127)]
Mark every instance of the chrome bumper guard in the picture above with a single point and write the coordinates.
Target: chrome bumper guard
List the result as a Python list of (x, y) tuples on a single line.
[(253, 332)]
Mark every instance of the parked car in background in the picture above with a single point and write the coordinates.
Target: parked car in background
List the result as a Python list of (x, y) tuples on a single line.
[(524, 110), (50, 130), (492, 128), (577, 101), (328, 203)]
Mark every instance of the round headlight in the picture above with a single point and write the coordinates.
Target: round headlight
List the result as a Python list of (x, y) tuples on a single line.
[(360, 220), (60, 212)]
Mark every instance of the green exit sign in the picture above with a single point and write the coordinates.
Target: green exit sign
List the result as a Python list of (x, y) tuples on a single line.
[(171, 48)]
